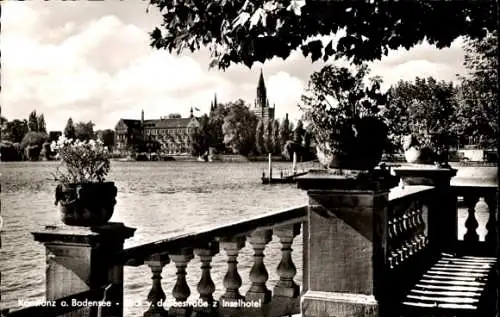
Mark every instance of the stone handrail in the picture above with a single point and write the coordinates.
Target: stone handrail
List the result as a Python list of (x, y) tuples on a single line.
[(136, 255), (351, 235), (205, 243)]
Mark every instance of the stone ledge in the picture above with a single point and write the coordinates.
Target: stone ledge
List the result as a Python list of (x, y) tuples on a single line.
[(317, 303), (83, 235)]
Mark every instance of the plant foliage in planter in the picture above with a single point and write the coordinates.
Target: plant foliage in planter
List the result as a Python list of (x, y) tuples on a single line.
[(85, 198), (344, 113)]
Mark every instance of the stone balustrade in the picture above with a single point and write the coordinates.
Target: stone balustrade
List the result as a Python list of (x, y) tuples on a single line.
[(226, 241), (354, 234)]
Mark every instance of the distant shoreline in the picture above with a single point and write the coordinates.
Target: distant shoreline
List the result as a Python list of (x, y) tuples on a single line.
[(219, 158)]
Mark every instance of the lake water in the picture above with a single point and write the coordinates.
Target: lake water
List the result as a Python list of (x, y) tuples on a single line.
[(159, 199)]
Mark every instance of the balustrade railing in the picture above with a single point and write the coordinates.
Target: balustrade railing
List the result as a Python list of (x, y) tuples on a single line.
[(478, 205), (407, 229), (360, 247), (229, 239)]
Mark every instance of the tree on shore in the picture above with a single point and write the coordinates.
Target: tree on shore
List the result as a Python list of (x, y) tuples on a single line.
[(239, 128), (425, 108), (216, 121), (107, 137), (33, 121), (15, 130), (69, 130), (32, 144), (268, 136), (259, 138), (478, 94), (41, 127), (276, 142), (200, 138), (84, 131), (284, 133), (10, 151)]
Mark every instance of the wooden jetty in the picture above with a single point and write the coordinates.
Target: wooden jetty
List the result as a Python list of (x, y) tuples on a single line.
[(288, 175)]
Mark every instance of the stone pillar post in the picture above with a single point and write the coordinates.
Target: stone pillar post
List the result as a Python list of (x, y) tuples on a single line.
[(347, 225), (442, 214), (81, 259)]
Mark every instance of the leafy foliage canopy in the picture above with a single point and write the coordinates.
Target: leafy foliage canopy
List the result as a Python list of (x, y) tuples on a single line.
[(249, 31)]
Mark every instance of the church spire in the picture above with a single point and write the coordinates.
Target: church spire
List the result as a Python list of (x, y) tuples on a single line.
[(261, 84), (213, 103), (191, 113), (261, 91)]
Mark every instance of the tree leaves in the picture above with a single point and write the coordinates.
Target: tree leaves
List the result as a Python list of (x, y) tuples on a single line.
[(296, 6), (241, 20), (478, 95), (239, 128), (329, 51), (425, 108), (335, 97), (371, 28), (259, 16)]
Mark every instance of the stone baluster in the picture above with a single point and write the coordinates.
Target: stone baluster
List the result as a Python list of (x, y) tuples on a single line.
[(422, 239), (232, 279), (258, 274), (286, 268), (471, 223), (181, 289), (391, 234), (414, 229), (442, 206), (491, 235), (156, 296), (399, 238), (206, 286), (406, 233)]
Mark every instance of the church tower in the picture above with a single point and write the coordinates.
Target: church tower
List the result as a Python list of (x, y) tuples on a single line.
[(213, 104), (261, 104), (261, 100)]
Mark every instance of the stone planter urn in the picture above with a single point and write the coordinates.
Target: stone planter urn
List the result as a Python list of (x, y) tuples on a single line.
[(360, 146), (86, 204), (416, 154)]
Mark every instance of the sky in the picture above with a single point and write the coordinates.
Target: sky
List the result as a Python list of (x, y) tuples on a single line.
[(91, 60)]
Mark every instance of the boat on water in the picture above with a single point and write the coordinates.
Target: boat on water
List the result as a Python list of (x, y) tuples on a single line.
[(207, 158), (126, 159), (129, 158)]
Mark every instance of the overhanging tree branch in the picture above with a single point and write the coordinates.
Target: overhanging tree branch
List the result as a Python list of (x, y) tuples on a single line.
[(249, 31)]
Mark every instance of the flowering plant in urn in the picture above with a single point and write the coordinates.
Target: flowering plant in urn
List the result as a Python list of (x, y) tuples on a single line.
[(344, 113), (85, 198)]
